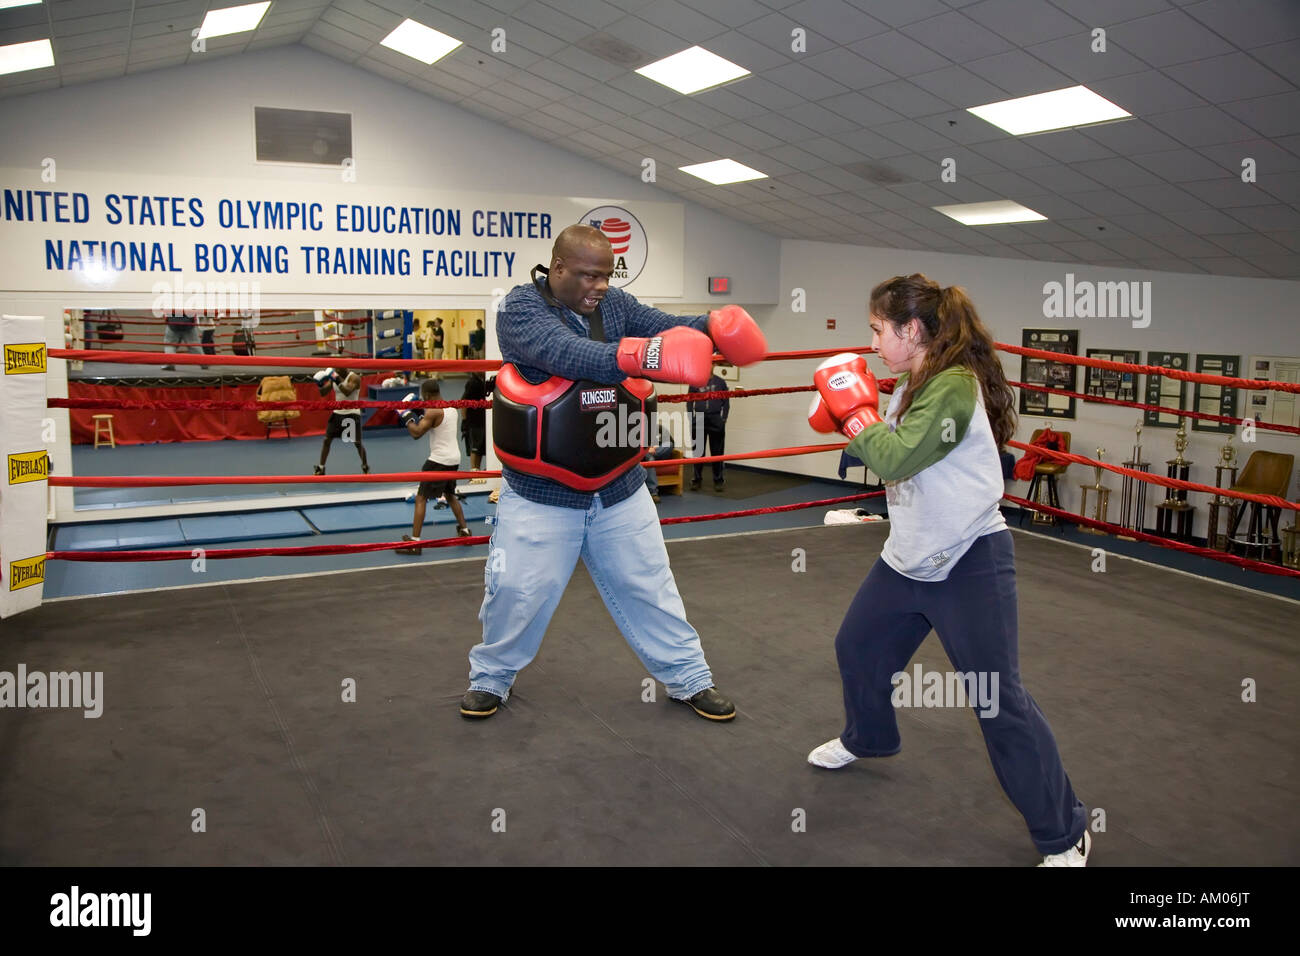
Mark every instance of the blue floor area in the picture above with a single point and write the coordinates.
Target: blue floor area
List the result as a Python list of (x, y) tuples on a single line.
[(375, 522)]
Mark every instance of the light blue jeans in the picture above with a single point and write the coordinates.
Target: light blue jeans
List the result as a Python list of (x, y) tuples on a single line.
[(532, 554)]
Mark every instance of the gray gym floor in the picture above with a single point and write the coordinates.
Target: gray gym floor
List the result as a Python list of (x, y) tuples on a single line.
[(228, 699)]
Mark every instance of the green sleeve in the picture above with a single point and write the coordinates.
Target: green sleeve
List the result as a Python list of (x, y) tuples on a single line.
[(936, 421)]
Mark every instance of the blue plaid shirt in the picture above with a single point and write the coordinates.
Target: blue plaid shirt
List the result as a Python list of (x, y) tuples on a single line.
[(542, 340)]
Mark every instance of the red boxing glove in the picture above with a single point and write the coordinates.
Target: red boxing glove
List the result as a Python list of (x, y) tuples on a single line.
[(737, 335), (819, 418), (680, 355), (849, 391)]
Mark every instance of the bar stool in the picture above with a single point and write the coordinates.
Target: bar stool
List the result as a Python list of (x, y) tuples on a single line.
[(1047, 470), (104, 431), (1266, 473)]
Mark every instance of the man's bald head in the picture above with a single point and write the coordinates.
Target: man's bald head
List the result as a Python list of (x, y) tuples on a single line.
[(576, 238), (581, 263)]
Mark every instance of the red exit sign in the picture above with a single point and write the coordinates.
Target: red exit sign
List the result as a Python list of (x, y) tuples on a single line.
[(830, 323), (719, 285)]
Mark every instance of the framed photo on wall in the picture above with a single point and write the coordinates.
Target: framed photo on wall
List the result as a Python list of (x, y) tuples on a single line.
[(1166, 391), (1037, 371), (1104, 383), (1216, 399)]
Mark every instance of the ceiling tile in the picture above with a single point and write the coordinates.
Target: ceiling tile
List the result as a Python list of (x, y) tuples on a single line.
[(818, 119), (1060, 179), (679, 19), (847, 68), (1224, 78), (728, 102), (960, 87), (1269, 158), (1283, 58), (767, 93), (807, 84), (647, 37), (1106, 203), (836, 19), (747, 52), (899, 54), (1145, 93), (1163, 198), (907, 99), (859, 108), (1117, 172), (776, 32), (1074, 56), (1277, 115), (536, 41), (1230, 267), (1249, 23), (782, 128), (1179, 165), (1023, 23), (1172, 36), (1069, 146), (735, 13), (913, 135), (1205, 222), (871, 144), (957, 37), (1203, 126), (1130, 136), (1019, 73), (1012, 154), (1278, 216)]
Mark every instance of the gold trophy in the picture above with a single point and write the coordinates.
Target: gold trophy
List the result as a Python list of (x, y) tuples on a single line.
[(1133, 492), (1102, 505), (1220, 503), (1175, 507)]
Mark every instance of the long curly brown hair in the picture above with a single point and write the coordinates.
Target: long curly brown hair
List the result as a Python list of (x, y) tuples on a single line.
[(954, 336)]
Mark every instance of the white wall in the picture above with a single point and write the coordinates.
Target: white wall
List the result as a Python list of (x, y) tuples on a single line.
[(1190, 313)]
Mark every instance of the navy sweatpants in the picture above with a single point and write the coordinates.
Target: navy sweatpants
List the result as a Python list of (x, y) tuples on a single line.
[(974, 613)]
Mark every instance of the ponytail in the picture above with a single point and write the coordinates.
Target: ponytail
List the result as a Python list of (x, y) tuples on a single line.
[(954, 335)]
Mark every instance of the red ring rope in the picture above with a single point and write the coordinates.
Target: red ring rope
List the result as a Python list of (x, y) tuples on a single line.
[(1155, 539)]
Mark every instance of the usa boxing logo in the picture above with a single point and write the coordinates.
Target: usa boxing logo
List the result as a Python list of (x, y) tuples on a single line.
[(626, 237)]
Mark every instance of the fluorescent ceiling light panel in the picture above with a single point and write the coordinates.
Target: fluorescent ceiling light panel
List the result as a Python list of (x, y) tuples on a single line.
[(220, 23), (723, 171), (1060, 109), (420, 42), (692, 70), (6, 4), (18, 57), (989, 213)]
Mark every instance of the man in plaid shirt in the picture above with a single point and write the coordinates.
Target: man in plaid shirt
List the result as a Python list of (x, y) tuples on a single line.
[(542, 526)]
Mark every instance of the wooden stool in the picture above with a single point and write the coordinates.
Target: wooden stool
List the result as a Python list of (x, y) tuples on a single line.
[(104, 431)]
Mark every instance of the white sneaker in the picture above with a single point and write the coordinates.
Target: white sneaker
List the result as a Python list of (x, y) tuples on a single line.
[(1076, 855), (831, 755)]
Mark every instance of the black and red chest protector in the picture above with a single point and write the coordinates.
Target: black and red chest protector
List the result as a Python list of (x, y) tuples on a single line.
[(582, 434)]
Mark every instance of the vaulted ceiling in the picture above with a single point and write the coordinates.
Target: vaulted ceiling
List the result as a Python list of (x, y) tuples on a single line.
[(855, 128)]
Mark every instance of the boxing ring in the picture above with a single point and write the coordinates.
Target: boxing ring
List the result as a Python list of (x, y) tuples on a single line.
[(315, 717)]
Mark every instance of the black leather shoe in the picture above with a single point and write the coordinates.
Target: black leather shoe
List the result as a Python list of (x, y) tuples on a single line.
[(709, 703), (695, 484), (719, 486), (479, 703)]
